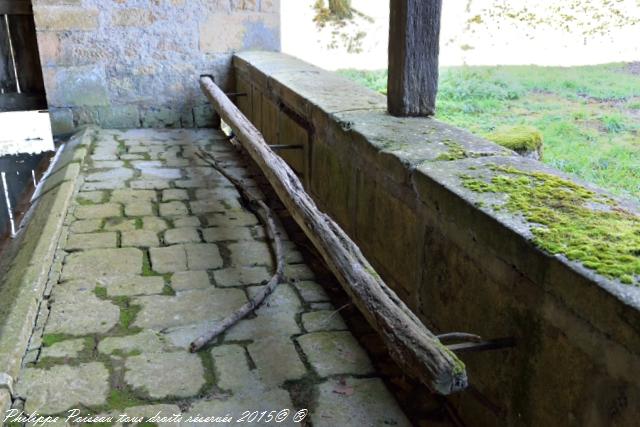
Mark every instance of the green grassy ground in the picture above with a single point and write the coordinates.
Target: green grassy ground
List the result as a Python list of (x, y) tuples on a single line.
[(589, 116)]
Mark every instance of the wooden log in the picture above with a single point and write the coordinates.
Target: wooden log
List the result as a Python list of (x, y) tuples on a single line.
[(418, 352), (414, 37)]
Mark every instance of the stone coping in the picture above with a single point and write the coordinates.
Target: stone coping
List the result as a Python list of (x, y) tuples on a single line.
[(26, 262), (429, 159)]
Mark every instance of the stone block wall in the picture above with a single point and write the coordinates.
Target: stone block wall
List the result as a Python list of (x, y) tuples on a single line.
[(136, 63), (395, 185)]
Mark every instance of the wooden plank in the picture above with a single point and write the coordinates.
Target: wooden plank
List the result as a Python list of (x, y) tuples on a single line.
[(414, 37), (22, 102), (418, 351), (7, 74), (25, 51), (15, 7)]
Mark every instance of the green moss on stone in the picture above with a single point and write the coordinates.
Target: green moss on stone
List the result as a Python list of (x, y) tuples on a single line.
[(569, 219), (521, 138), (456, 152), (50, 339), (123, 398), (101, 292)]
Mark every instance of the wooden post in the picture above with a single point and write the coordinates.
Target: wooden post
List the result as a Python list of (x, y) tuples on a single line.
[(414, 37)]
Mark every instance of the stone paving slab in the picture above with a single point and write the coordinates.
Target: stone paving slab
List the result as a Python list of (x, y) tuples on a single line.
[(159, 250)]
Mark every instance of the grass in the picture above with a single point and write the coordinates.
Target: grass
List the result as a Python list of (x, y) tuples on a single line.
[(589, 117)]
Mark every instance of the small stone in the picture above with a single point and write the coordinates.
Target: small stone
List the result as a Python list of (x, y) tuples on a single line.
[(120, 224), (91, 196), (250, 254), (140, 238), (324, 320), (64, 349), (231, 365), (169, 259), (312, 292), (127, 195), (174, 194), (334, 353), (220, 234), (165, 374), (154, 223), (102, 262), (241, 276), (173, 209), (274, 371), (189, 307), (144, 342), (186, 280), (203, 256), (81, 313), (91, 241), (61, 387), (103, 210), (86, 226), (138, 209), (232, 219), (135, 285), (187, 221), (181, 235), (207, 206), (368, 404), (298, 272)]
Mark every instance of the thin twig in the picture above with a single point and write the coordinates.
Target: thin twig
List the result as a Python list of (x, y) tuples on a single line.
[(459, 336), (266, 217)]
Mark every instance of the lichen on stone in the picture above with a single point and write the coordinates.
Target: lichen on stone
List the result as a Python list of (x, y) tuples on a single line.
[(569, 219), (455, 152), (520, 138)]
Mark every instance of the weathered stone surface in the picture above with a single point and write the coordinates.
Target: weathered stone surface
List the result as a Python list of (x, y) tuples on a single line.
[(81, 313), (150, 184), (187, 221), (135, 285), (299, 272), (91, 241), (119, 224), (241, 276), (103, 210), (333, 353), (161, 411), (165, 374), (203, 256), (323, 320), (91, 196), (64, 349), (54, 18), (102, 262), (154, 223), (138, 209), (110, 175), (133, 17), (86, 384), (311, 292), (187, 280), (86, 226), (250, 254), (187, 307), (370, 403), (207, 206), (173, 209), (232, 219), (274, 371), (140, 238), (232, 366), (220, 234), (126, 195), (181, 235), (174, 194), (169, 259), (144, 342)]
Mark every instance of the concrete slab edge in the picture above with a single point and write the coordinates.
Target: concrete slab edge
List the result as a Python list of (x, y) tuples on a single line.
[(31, 275)]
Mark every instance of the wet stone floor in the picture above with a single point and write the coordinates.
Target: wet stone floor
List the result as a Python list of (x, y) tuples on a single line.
[(157, 248)]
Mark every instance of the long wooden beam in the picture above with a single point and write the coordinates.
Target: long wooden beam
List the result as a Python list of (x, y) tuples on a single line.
[(418, 352)]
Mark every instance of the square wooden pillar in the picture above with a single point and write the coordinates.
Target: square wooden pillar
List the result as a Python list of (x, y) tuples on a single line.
[(414, 44)]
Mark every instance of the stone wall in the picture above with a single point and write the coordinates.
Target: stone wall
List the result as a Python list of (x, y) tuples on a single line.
[(136, 63), (410, 192)]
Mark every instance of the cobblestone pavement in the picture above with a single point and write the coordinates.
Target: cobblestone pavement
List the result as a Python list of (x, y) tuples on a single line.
[(157, 248)]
